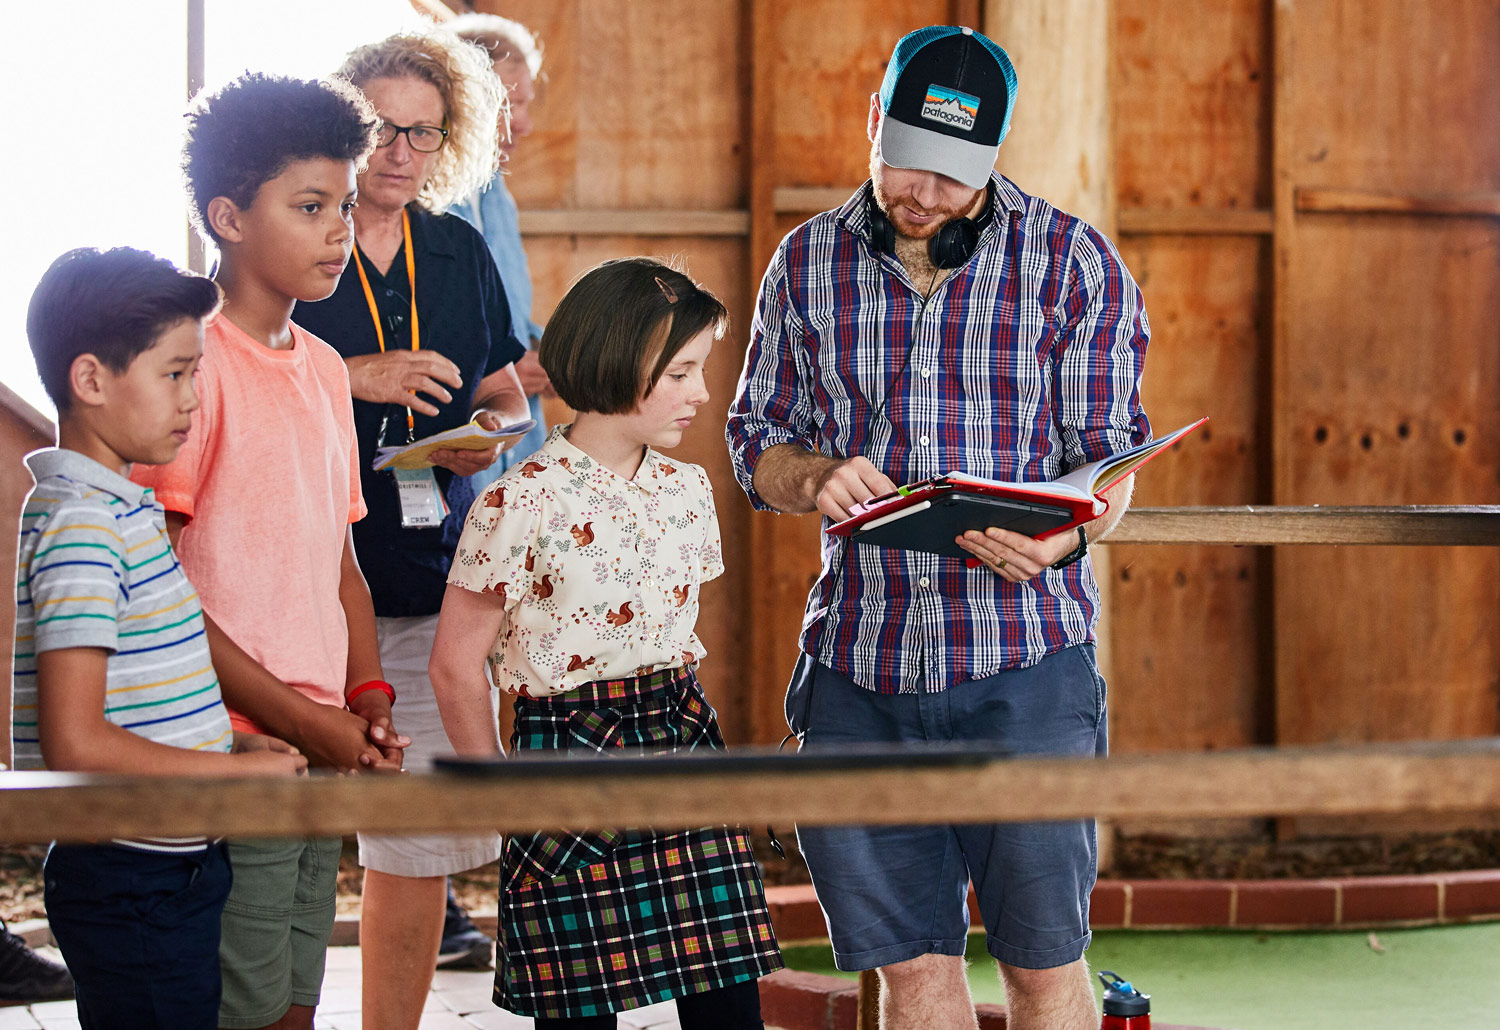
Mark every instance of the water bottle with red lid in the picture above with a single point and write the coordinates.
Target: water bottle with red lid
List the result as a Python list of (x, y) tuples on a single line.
[(1125, 1008)]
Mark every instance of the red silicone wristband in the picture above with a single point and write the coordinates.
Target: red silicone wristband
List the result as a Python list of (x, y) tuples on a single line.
[(380, 685)]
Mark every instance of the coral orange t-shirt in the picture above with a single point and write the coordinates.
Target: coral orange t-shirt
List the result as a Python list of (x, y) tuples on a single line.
[(269, 481)]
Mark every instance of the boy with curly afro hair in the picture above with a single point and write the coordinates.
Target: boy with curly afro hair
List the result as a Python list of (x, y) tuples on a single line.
[(260, 498)]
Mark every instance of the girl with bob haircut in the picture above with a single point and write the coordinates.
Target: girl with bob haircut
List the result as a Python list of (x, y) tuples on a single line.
[(576, 581)]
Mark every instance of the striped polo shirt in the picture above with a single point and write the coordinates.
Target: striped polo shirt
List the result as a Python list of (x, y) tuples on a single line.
[(96, 569)]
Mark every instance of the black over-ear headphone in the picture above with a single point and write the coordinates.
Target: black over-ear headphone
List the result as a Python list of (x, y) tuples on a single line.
[(949, 248)]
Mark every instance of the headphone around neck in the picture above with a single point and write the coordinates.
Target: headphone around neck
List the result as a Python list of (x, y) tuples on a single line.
[(950, 247)]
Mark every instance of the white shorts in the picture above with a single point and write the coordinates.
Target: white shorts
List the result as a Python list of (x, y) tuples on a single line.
[(405, 645)]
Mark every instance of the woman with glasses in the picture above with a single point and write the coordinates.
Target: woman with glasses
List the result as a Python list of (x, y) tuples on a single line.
[(421, 319)]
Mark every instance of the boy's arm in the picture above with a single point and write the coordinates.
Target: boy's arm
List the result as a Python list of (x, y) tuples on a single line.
[(329, 737), (467, 627), (373, 705), (76, 737)]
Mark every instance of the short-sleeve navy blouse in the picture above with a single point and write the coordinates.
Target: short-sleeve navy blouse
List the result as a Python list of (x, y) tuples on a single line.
[(464, 316)]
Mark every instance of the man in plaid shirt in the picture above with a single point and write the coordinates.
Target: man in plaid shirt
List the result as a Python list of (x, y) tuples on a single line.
[(943, 320)]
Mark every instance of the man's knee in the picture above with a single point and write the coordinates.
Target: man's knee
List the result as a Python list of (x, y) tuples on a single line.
[(923, 972), (1043, 982)]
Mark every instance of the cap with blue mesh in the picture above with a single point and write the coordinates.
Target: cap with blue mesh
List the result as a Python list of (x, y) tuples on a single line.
[(946, 103)]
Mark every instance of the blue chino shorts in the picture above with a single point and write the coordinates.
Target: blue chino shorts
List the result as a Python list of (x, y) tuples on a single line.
[(893, 893), (139, 931)]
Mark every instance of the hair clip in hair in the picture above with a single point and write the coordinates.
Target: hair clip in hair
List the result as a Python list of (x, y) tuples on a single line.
[(666, 291)]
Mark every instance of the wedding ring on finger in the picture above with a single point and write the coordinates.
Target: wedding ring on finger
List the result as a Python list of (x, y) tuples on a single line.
[(1002, 563)]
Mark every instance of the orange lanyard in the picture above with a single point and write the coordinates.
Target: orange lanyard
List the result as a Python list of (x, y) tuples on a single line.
[(411, 278)]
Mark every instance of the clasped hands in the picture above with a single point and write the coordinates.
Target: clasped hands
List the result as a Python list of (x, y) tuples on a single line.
[(1010, 555)]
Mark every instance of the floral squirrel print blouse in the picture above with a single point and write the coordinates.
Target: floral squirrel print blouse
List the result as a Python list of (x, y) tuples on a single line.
[(599, 574)]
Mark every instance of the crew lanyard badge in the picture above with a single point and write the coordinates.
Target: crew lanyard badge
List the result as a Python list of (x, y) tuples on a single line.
[(422, 503)]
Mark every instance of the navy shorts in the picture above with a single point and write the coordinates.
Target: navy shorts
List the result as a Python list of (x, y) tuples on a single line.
[(140, 933), (893, 893)]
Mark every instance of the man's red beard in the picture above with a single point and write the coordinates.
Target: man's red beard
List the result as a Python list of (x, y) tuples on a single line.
[(892, 206)]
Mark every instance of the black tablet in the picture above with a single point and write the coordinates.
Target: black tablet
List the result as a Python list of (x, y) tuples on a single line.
[(933, 524)]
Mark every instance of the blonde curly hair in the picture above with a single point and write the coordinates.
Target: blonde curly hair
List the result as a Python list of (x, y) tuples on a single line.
[(473, 101)]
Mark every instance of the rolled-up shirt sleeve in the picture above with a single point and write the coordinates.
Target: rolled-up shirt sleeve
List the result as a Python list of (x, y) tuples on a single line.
[(772, 403), (1101, 353)]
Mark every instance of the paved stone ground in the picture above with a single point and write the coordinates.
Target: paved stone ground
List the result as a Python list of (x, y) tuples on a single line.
[(459, 1001)]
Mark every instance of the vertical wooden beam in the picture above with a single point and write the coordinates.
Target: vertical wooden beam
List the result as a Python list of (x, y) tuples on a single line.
[(1059, 143), (1060, 147), (966, 12), (772, 648), (1283, 274)]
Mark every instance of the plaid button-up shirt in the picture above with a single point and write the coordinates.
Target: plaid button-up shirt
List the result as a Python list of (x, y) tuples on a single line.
[(1023, 364)]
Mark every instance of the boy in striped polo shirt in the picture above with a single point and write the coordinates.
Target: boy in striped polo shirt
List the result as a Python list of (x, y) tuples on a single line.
[(112, 669)]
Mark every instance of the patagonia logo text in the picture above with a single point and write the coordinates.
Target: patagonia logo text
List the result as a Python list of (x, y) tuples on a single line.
[(950, 107)]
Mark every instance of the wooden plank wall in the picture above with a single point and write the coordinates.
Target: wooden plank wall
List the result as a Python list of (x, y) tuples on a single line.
[(1191, 104), (1344, 356), (1387, 364)]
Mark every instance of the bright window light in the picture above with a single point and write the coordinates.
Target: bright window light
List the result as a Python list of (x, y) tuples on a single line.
[(107, 81)]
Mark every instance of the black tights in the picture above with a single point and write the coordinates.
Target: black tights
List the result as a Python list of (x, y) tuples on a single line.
[(736, 1007)]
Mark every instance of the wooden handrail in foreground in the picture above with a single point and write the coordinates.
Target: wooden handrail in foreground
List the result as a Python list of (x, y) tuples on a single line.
[(1430, 525), (755, 788)]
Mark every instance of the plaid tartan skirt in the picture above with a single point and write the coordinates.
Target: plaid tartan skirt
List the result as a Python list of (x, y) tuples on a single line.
[(593, 923)]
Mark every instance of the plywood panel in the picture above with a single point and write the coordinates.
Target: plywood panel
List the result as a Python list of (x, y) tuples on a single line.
[(829, 56), (643, 105), (1391, 369), (543, 170), (1191, 103), (1189, 632), (1397, 95)]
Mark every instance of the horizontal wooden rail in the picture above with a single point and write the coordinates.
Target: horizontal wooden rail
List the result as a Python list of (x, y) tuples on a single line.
[(1195, 221), (809, 200), (756, 788), (1473, 203), (1430, 525), (630, 222), (1192, 221)]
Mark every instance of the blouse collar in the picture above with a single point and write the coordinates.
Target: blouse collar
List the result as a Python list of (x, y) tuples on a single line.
[(596, 476)]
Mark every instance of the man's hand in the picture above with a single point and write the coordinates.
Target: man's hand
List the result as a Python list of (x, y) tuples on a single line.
[(402, 376), (1016, 557), (466, 463), (375, 708), (534, 379), (846, 483)]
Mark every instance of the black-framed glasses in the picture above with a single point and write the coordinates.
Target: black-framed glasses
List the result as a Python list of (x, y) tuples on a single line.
[(426, 139)]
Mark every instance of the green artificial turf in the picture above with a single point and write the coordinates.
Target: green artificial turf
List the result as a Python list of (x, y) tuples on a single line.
[(1441, 977)]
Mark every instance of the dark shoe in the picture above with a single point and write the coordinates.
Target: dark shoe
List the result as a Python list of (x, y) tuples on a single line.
[(27, 976), (464, 946)]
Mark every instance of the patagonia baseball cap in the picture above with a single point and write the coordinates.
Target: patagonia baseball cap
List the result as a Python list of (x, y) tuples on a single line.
[(946, 101)]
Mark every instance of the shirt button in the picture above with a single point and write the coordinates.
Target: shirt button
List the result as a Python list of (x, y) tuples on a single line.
[(923, 441), (924, 582), (926, 372)]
